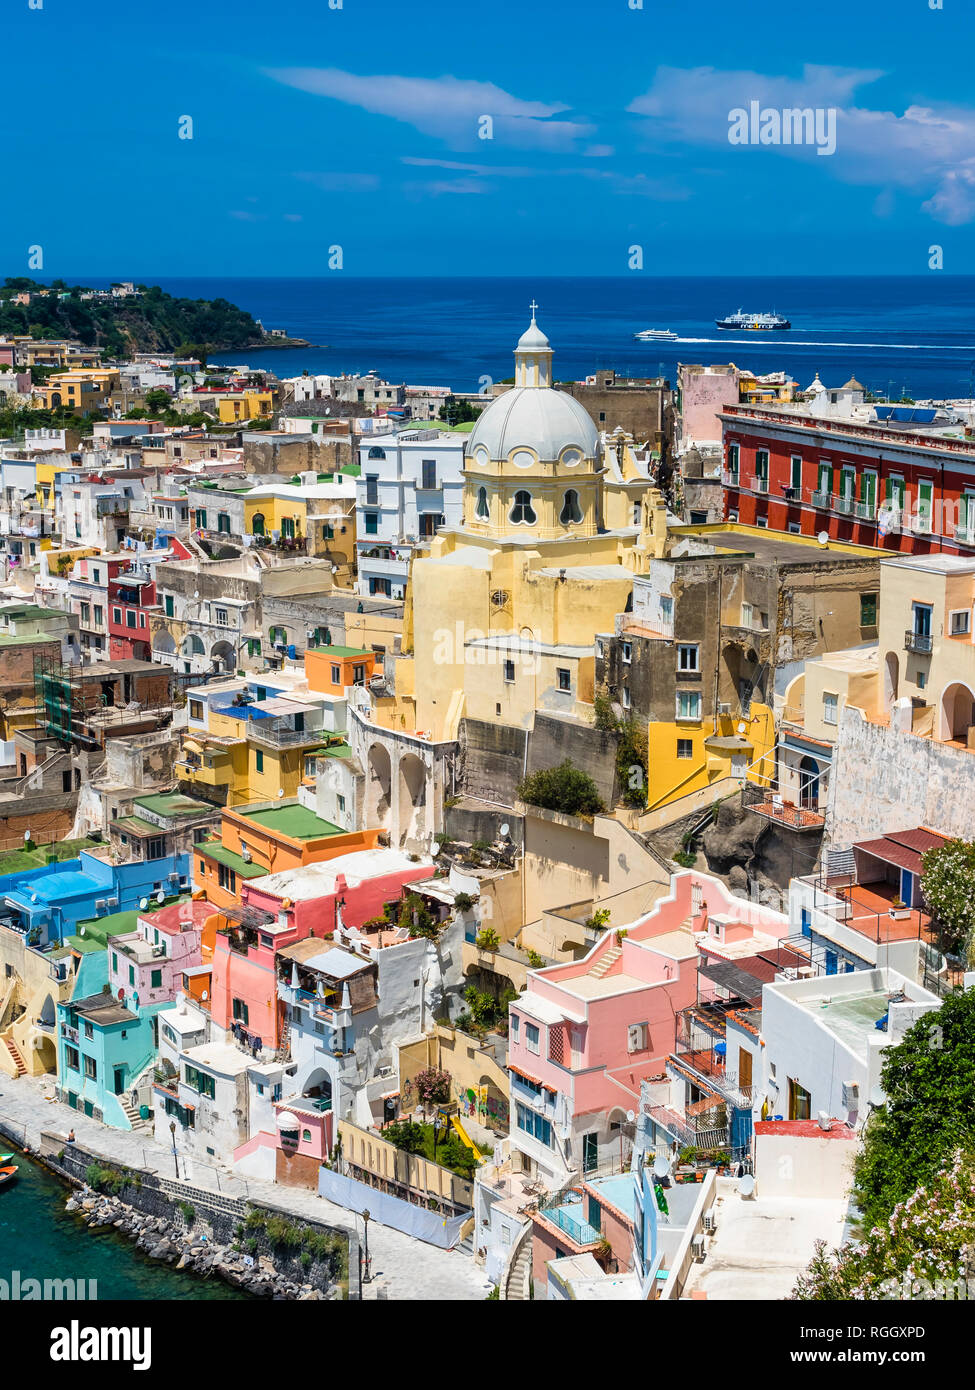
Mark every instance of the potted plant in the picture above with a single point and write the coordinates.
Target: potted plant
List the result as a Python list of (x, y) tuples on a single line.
[(899, 909)]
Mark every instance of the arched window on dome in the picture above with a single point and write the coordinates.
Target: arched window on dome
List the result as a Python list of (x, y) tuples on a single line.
[(522, 512), (482, 511), (376, 453), (571, 513)]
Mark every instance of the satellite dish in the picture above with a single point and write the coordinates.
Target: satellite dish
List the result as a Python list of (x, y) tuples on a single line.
[(661, 1166), (82, 930), (746, 1185), (144, 904), (877, 1096), (280, 791), (742, 728), (26, 834), (823, 538), (630, 1117), (205, 995), (160, 896), (505, 829)]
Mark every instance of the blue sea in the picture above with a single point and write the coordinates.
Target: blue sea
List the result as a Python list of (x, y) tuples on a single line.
[(903, 335)]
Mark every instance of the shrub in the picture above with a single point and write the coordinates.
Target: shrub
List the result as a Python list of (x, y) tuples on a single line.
[(433, 1086), (305, 1259), (487, 939), (564, 788), (463, 902), (947, 874), (189, 1213), (598, 919), (250, 1245), (685, 858), (535, 960), (282, 1232), (255, 1220)]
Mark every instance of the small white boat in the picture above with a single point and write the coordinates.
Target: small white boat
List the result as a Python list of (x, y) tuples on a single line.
[(656, 335)]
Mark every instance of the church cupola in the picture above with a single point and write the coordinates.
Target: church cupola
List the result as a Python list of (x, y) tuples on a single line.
[(533, 356)]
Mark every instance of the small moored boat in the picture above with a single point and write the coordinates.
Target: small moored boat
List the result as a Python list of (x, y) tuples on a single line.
[(7, 1175)]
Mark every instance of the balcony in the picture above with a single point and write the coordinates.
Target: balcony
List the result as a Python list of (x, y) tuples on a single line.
[(965, 535), (69, 1034), (729, 477), (919, 642), (921, 524), (111, 506), (759, 484), (566, 1211), (275, 733), (844, 504), (866, 511), (821, 500)]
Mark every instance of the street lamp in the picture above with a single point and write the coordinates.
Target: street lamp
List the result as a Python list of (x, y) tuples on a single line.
[(172, 1130), (365, 1226)]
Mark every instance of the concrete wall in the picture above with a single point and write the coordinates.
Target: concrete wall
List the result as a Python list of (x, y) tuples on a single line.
[(790, 1166), (492, 760), (883, 780), (591, 749)]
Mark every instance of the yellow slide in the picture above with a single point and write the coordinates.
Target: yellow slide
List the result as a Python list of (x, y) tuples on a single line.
[(465, 1137)]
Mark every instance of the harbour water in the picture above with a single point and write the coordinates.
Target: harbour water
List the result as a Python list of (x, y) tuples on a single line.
[(895, 334), (40, 1240)]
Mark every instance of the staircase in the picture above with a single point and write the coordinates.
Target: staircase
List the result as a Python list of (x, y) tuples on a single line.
[(132, 1114), (517, 1272), (605, 962), (14, 1051)]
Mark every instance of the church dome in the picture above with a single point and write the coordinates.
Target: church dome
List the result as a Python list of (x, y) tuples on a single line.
[(537, 418), (533, 337)]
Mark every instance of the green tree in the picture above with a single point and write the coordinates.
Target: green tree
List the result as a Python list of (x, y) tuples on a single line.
[(948, 885), (565, 788), (459, 412), (929, 1082), (405, 1135)]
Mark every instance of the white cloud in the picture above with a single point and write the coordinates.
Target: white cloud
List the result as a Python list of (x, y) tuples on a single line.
[(923, 148), (447, 107)]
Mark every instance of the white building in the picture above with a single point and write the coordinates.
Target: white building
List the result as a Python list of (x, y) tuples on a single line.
[(825, 1038), (411, 483)]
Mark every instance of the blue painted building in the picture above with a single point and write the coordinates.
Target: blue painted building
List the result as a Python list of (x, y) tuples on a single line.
[(105, 1045)]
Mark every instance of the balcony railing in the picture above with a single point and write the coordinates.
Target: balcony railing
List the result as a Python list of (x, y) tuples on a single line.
[(919, 642), (280, 736), (965, 535), (577, 1228), (844, 504), (729, 477), (866, 511), (759, 484)]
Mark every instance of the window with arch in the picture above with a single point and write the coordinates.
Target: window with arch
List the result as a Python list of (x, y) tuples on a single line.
[(571, 513), (193, 645), (257, 524), (522, 512), (376, 453), (482, 511), (278, 636)]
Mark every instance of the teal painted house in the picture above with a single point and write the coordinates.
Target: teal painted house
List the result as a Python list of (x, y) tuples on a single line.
[(105, 1046)]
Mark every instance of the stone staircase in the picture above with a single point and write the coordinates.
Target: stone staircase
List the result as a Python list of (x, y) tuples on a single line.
[(605, 962), (132, 1113), (14, 1051), (517, 1273)]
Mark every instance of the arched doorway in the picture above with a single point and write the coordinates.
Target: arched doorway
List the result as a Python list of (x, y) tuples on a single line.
[(411, 795), (192, 646), (891, 680), (957, 713), (223, 657), (809, 785), (379, 785), (163, 646)]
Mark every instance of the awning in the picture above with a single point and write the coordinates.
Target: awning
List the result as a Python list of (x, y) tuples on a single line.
[(535, 1080), (730, 977)]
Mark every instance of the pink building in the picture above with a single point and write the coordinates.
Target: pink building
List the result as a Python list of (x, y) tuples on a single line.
[(150, 961), (363, 882), (584, 1035)]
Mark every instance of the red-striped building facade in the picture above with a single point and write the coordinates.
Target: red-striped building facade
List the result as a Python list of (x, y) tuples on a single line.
[(864, 483)]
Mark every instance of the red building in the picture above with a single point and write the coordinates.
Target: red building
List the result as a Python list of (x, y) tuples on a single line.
[(871, 484), (130, 596)]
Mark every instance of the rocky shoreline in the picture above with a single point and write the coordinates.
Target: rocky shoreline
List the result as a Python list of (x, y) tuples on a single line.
[(171, 1243)]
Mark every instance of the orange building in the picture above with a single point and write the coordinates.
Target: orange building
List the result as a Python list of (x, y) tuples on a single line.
[(267, 837), (332, 670)]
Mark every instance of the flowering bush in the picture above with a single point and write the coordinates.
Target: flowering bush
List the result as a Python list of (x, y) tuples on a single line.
[(948, 885), (432, 1086), (925, 1249)]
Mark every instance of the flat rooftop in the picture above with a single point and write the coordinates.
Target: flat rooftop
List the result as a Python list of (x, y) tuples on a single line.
[(775, 545), (295, 821), (851, 1017)]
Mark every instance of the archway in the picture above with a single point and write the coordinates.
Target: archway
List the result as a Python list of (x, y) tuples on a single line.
[(412, 780), (223, 656), (192, 646), (809, 783), (891, 680), (379, 785), (257, 524), (957, 713), (319, 1087), (163, 645)]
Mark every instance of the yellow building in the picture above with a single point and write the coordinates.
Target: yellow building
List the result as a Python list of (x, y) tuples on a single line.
[(502, 612), (313, 513), (81, 389)]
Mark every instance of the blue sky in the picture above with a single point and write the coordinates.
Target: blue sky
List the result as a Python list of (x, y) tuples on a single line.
[(358, 127)]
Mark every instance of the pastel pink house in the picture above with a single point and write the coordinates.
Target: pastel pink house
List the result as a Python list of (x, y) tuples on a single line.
[(150, 961), (584, 1035)]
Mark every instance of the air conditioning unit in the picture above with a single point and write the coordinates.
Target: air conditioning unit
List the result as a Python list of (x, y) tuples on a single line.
[(851, 1095), (710, 1221), (173, 877), (111, 902), (697, 1246), (99, 904), (724, 709)]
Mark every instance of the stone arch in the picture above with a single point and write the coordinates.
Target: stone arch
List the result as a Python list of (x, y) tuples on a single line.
[(956, 712), (318, 1084), (411, 778), (257, 524), (891, 680), (379, 780), (163, 643), (192, 645), (810, 783), (223, 655)]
